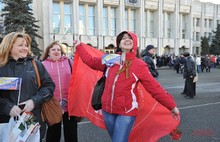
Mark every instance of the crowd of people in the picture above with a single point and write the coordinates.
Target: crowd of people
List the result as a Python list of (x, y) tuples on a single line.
[(119, 99)]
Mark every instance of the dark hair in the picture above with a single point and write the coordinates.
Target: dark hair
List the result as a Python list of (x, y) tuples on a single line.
[(149, 47), (46, 52), (118, 40), (186, 54)]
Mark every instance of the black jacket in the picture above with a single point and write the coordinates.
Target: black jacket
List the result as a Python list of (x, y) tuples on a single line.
[(147, 57), (24, 69), (189, 68)]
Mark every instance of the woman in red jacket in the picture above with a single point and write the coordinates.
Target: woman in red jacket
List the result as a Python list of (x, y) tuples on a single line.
[(120, 96)]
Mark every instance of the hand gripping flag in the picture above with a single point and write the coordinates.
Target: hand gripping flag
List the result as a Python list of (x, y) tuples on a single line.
[(153, 120)]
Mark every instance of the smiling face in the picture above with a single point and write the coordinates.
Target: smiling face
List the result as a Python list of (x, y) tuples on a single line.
[(19, 49), (126, 43), (55, 52)]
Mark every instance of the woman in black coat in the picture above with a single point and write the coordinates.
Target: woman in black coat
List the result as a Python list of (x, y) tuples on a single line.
[(15, 61)]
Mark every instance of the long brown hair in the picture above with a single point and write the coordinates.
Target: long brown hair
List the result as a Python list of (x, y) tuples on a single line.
[(46, 52), (7, 44)]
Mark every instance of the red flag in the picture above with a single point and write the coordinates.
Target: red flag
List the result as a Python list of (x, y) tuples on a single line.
[(81, 87), (152, 122)]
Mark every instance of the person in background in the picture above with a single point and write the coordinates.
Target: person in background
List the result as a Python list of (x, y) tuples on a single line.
[(119, 99), (147, 56), (16, 61), (189, 74), (208, 63), (59, 68), (177, 64), (198, 64)]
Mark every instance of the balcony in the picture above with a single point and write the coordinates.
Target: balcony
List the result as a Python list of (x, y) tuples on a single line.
[(111, 2), (151, 4)]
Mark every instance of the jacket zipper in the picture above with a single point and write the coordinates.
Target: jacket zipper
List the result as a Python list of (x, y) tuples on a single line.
[(58, 70)]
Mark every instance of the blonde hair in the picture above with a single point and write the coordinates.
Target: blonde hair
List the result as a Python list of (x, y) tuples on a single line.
[(46, 52), (7, 44)]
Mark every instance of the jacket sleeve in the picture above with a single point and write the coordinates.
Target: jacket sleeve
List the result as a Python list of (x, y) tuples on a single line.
[(45, 92), (154, 88), (151, 66), (93, 62)]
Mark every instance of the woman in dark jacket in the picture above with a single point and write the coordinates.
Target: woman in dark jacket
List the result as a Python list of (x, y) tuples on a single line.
[(15, 61)]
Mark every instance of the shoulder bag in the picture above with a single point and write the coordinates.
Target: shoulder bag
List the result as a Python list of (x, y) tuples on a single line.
[(98, 91), (51, 112)]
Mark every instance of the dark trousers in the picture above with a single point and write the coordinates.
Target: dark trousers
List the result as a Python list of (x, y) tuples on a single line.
[(190, 87), (184, 90), (69, 129)]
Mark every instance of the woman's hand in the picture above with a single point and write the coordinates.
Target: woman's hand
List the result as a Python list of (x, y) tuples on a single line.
[(29, 105), (15, 111), (76, 42), (176, 113)]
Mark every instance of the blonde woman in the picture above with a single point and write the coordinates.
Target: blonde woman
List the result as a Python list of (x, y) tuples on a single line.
[(16, 61)]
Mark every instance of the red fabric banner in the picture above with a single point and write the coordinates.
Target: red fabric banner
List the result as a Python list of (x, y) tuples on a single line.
[(81, 87), (153, 120)]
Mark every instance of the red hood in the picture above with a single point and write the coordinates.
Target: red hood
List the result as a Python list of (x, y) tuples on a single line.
[(133, 53)]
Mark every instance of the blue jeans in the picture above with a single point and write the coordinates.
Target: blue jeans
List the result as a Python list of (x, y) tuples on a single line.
[(118, 126), (198, 68)]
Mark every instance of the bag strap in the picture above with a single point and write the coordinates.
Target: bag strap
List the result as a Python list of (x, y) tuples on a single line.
[(37, 73), (104, 70), (70, 65)]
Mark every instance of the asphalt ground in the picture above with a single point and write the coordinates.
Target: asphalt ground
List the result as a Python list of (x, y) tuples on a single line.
[(200, 117)]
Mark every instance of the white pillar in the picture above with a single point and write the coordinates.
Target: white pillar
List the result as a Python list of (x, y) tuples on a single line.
[(160, 29), (177, 28)]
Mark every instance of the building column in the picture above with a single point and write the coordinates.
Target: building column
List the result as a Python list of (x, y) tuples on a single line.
[(165, 25), (148, 24), (121, 16), (176, 29), (47, 22), (142, 26), (160, 29), (99, 26), (190, 33)]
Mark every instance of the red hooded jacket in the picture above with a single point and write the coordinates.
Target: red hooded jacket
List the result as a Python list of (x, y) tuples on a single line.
[(120, 95)]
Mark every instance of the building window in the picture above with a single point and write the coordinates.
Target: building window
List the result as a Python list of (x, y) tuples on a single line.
[(91, 20), (63, 18), (56, 18), (197, 36), (197, 50), (184, 26), (210, 37), (197, 22), (168, 25), (113, 21), (133, 21), (105, 21), (206, 34), (130, 20), (126, 19), (152, 24), (1, 5), (205, 24), (67, 19), (210, 23), (82, 17)]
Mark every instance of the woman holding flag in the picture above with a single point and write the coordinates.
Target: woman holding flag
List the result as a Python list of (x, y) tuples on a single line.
[(16, 61), (121, 99)]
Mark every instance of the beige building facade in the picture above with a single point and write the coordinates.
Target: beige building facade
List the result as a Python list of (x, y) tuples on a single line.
[(172, 26)]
